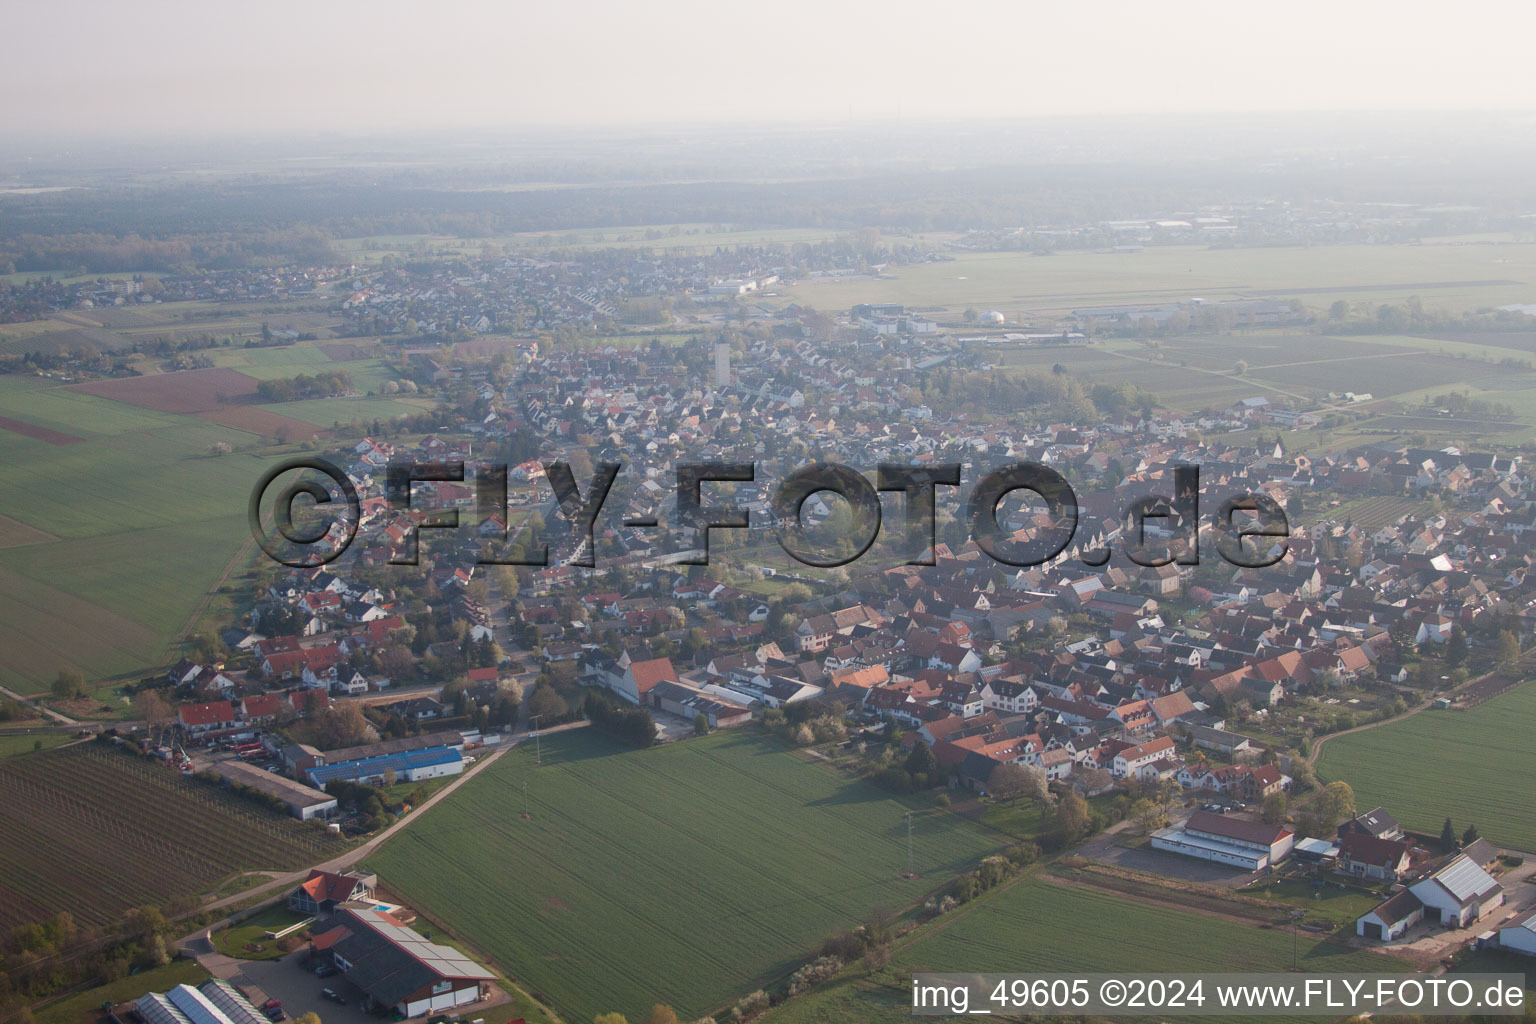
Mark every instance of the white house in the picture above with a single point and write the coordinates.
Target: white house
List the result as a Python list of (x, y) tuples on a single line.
[(1131, 760)]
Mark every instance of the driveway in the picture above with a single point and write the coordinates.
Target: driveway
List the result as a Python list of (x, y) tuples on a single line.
[(1106, 848), (1431, 940), (293, 985)]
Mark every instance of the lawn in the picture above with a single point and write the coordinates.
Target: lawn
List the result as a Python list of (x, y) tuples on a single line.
[(686, 874), (1474, 766), (248, 939), (21, 743), (1039, 926)]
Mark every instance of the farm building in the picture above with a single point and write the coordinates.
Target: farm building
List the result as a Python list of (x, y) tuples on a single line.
[(323, 891), (1207, 738), (300, 757), (411, 766), (1251, 845), (1390, 919), (303, 802), (1458, 893), (215, 1002), (396, 968), (1519, 933), (688, 701)]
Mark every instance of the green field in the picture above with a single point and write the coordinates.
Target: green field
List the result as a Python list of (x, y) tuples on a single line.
[(686, 874), (20, 743), (1474, 766), (1020, 283), (121, 536), (1039, 926)]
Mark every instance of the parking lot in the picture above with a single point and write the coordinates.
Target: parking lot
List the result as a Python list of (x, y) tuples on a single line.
[(288, 981)]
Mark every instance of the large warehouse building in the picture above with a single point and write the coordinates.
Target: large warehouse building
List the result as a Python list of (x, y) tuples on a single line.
[(396, 968), (303, 802), (411, 766), (1250, 845)]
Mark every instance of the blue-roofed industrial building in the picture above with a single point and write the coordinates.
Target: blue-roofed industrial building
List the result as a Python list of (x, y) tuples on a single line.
[(410, 766)]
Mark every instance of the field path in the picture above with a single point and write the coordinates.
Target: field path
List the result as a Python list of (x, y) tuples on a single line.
[(1317, 744), (1226, 376), (286, 880), (37, 706)]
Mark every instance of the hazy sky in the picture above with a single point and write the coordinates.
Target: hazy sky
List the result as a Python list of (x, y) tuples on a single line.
[(159, 66)]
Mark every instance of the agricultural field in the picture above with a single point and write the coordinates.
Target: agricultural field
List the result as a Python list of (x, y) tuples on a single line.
[(1041, 926), (94, 831), (126, 530), (14, 744), (1198, 372), (1473, 766), (686, 874), (1372, 512), (1449, 276)]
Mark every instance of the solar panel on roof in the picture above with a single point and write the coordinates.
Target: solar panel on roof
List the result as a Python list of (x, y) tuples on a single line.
[(1464, 879), (231, 1003), (156, 1009)]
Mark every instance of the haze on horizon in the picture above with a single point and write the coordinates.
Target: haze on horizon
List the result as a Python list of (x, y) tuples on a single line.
[(167, 67)]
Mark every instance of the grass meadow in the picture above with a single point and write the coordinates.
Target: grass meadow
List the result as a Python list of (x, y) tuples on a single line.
[(686, 874), (1473, 766), (1038, 926)]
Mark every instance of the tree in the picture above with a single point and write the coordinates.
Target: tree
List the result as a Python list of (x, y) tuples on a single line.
[(1240, 367), (1011, 781), (1469, 836), (546, 703), (342, 725), (1447, 835), (660, 1014), (69, 684), (1509, 648), (152, 709), (1456, 649), (307, 1018), (1147, 814), (921, 759), (700, 725), (1072, 819), (1274, 808), (1335, 802), (610, 1018)]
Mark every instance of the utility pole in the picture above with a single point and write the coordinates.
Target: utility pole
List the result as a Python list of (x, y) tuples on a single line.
[(910, 872), (1295, 924)]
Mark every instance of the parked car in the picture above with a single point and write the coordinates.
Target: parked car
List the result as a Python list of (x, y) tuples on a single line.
[(325, 970), (330, 994)]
